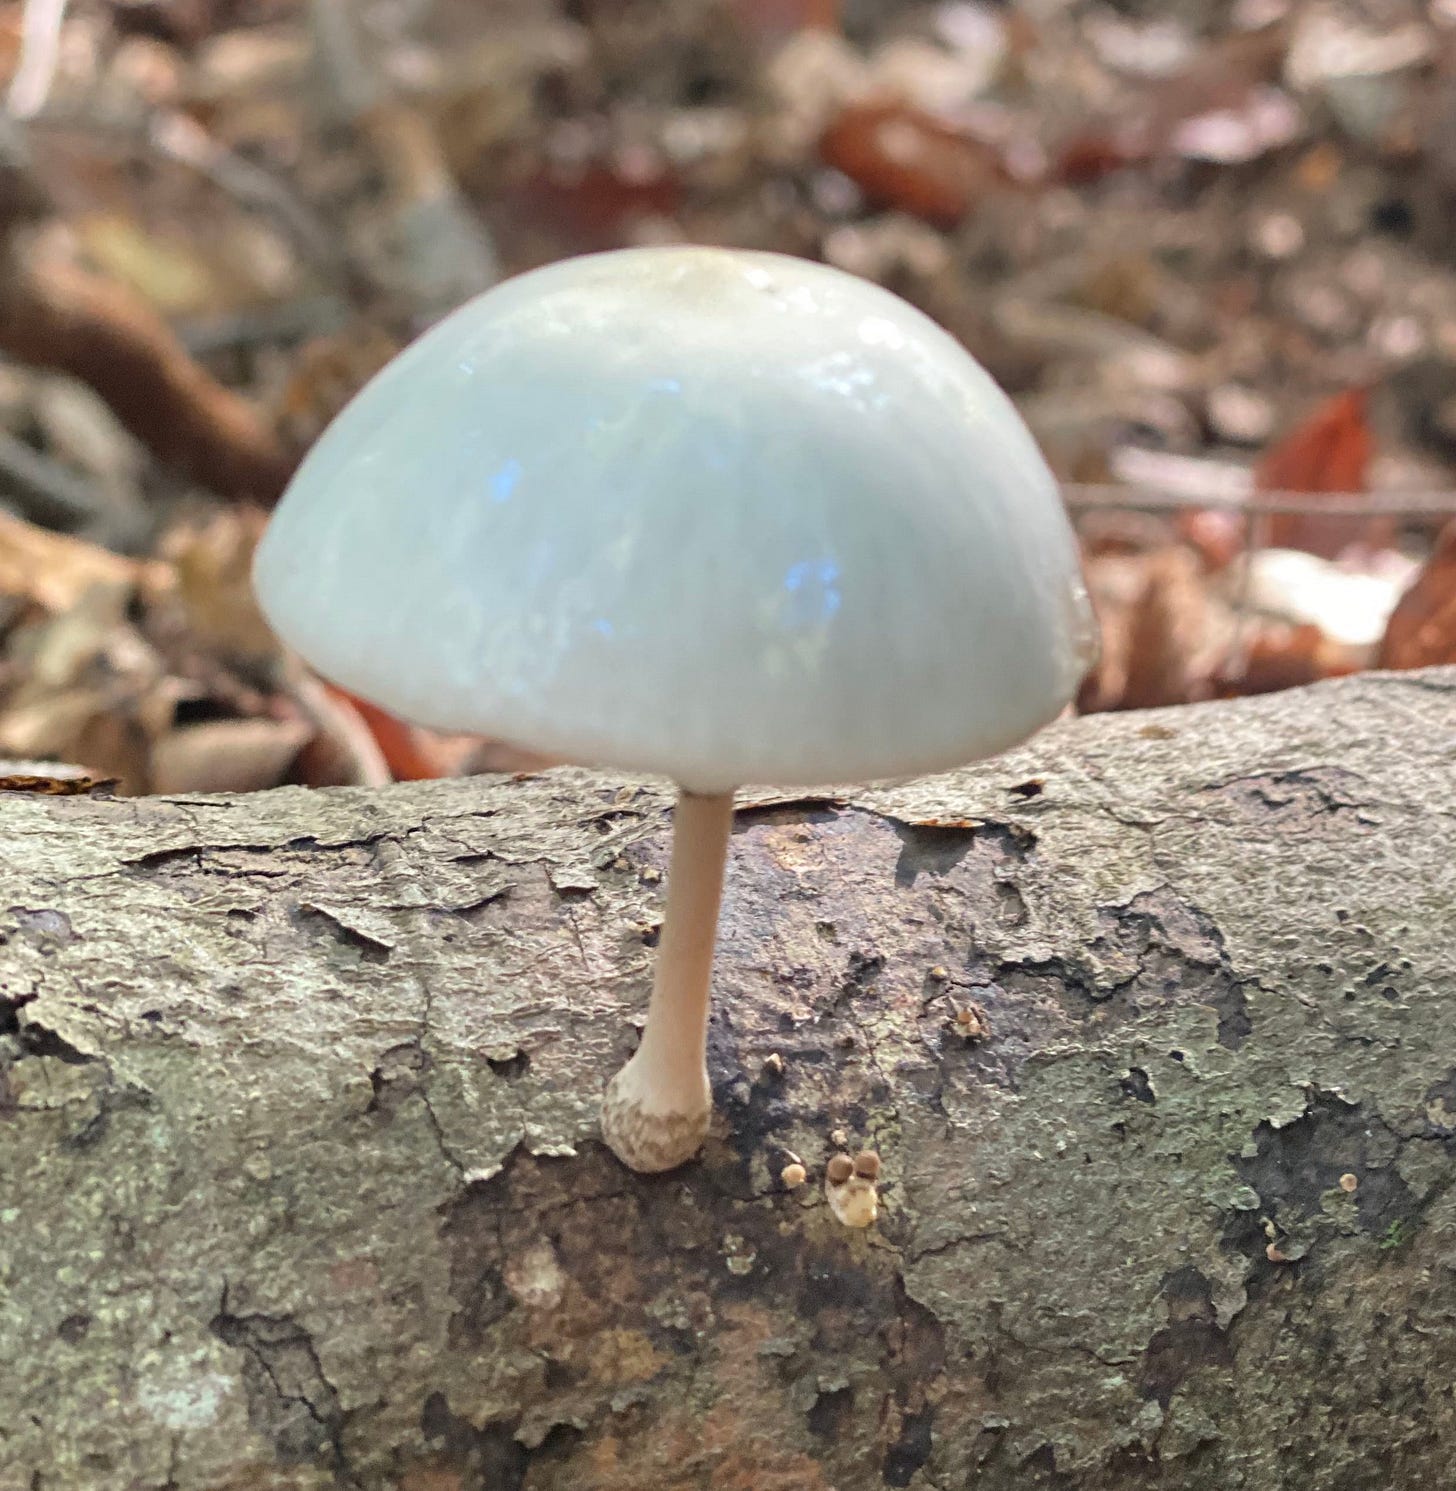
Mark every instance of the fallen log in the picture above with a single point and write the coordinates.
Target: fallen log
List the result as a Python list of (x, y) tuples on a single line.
[(1149, 1023)]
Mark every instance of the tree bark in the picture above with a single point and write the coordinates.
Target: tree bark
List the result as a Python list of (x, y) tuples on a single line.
[(300, 1185)]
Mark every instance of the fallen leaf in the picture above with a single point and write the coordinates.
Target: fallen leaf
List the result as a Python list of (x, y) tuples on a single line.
[(490, 757), (82, 725), (343, 752), (1218, 534), (592, 207), (771, 20), (213, 591), (1286, 657), (1094, 153), (227, 755), (901, 157), (1349, 605), (1266, 119), (9, 44), (169, 273), (1422, 628), (1163, 633), (326, 373), (1329, 452), (403, 747), (51, 779), (1224, 93), (53, 571)]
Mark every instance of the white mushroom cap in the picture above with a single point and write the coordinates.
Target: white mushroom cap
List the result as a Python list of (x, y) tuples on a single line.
[(721, 515)]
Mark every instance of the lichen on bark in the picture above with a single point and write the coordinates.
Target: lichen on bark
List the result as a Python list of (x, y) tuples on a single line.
[(300, 1185)]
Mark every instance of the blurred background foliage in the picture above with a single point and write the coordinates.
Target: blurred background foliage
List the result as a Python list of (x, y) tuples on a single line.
[(1209, 247)]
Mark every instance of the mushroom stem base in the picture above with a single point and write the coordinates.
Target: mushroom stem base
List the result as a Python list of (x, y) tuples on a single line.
[(645, 1138)]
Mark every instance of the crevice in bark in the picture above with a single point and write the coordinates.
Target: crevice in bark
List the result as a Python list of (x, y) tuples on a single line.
[(290, 1401)]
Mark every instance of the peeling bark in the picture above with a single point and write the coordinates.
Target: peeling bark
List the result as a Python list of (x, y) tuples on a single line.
[(300, 1185)]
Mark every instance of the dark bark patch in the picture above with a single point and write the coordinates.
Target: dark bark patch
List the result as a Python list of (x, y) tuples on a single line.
[(1159, 950), (485, 1459), (829, 1414), (1296, 1165), (911, 1450), (860, 976), (482, 1300), (72, 1330), (10, 1007), (1178, 1349), (367, 949), (290, 1401), (1191, 1338), (37, 1040), (939, 848), (780, 814), (759, 1113), (930, 851), (511, 1067), (1296, 801), (1154, 952), (656, 1259), (398, 1075), (1440, 1106)]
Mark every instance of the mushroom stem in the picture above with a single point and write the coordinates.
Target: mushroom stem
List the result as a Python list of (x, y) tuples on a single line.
[(656, 1110)]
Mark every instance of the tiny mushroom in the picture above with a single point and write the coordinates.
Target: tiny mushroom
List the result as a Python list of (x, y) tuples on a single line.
[(839, 1169), (849, 1187), (724, 516)]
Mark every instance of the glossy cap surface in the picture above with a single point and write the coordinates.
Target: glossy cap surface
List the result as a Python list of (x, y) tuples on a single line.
[(725, 516)]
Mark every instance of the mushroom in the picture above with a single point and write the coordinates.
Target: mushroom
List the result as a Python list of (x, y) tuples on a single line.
[(849, 1187), (724, 516)]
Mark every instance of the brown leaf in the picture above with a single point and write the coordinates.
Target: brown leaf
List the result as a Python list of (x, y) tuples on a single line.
[(902, 157), (81, 725), (593, 206), (1329, 452), (1287, 657), (1226, 78), (10, 34), (168, 272), (213, 590), (326, 373), (1422, 629), (406, 751), (491, 756), (52, 571), (227, 755), (51, 779), (1163, 633), (343, 752), (1218, 534), (775, 19)]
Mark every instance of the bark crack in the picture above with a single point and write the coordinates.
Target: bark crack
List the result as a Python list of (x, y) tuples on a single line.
[(290, 1400)]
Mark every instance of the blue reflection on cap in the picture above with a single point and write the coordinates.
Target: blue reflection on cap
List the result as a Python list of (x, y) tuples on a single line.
[(504, 482), (814, 583)]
